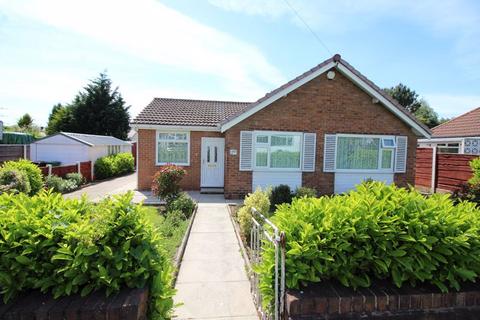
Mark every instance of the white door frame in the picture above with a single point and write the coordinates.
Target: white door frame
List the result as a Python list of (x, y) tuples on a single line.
[(212, 174)]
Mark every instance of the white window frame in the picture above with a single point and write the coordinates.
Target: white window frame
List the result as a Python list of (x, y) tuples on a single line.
[(267, 145), (157, 140), (380, 148)]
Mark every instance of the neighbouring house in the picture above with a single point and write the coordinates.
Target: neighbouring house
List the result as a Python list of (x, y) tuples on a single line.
[(330, 128), (459, 135), (70, 148)]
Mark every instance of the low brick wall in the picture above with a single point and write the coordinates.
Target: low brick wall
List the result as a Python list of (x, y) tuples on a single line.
[(61, 171), (128, 304), (331, 300)]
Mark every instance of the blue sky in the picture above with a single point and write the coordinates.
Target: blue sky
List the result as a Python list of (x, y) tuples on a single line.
[(231, 49)]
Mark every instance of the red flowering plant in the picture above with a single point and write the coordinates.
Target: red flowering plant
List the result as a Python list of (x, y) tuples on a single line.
[(166, 182)]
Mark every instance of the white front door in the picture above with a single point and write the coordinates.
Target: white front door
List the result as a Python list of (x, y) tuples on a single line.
[(212, 162)]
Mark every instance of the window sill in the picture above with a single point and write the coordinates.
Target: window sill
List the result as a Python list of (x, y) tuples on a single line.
[(159, 164)]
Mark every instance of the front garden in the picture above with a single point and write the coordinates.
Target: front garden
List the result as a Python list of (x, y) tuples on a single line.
[(69, 246), (374, 233)]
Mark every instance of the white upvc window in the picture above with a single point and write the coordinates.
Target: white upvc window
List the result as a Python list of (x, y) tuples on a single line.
[(365, 153), (173, 147), (281, 151)]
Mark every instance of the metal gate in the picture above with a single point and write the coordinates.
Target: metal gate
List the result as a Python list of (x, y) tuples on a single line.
[(259, 235)]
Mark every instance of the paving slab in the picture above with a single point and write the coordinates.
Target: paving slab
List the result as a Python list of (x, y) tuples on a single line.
[(212, 282)]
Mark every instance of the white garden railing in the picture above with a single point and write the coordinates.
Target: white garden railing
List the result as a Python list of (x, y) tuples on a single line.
[(259, 236)]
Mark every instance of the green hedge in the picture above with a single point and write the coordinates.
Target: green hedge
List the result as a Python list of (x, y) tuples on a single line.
[(376, 232), (69, 246), (31, 171), (114, 165)]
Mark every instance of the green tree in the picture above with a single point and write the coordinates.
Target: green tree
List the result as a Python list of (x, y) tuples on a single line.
[(98, 109), (427, 115), (407, 97), (60, 119), (25, 122)]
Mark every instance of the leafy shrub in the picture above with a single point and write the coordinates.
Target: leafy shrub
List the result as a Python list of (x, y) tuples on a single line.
[(61, 185), (55, 183), (467, 192), (166, 182), (104, 167), (13, 181), (280, 194), (74, 246), (376, 232), (259, 200), (124, 163), (76, 177), (305, 192), (475, 165), (31, 171), (183, 203), (114, 165)]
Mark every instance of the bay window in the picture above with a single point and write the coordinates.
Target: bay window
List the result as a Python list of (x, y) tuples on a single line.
[(173, 147), (277, 151), (372, 153)]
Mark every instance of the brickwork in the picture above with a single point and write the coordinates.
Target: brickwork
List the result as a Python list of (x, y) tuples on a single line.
[(382, 300), (321, 106), (146, 159)]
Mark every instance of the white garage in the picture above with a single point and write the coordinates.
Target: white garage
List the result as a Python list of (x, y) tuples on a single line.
[(70, 148)]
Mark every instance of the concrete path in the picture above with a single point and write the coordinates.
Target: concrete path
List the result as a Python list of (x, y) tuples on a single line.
[(212, 282), (100, 190)]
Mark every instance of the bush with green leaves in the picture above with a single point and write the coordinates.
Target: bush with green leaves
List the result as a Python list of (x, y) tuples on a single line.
[(114, 165), (260, 200), (183, 202), (306, 192), (166, 182), (13, 181), (124, 163), (467, 192), (67, 246), (31, 171), (475, 165), (376, 232), (280, 194), (72, 182), (76, 177)]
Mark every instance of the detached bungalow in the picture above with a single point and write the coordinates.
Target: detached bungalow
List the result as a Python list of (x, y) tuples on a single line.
[(329, 129), (459, 135)]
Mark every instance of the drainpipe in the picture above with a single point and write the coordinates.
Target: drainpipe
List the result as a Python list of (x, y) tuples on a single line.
[(434, 168)]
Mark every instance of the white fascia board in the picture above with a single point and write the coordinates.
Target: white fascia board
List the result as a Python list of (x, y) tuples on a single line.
[(383, 100), (136, 127), (440, 140), (276, 96)]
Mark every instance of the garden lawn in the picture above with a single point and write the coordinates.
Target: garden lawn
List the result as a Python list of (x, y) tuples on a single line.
[(171, 227)]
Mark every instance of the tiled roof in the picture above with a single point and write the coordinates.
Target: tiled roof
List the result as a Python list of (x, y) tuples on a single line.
[(336, 58), (186, 112), (466, 125)]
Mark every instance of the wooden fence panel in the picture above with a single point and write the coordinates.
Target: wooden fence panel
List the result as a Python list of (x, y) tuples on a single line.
[(61, 171), (451, 170), (13, 152), (423, 168)]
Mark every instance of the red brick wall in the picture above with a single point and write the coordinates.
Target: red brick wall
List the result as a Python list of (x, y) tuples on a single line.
[(321, 106), (146, 159)]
